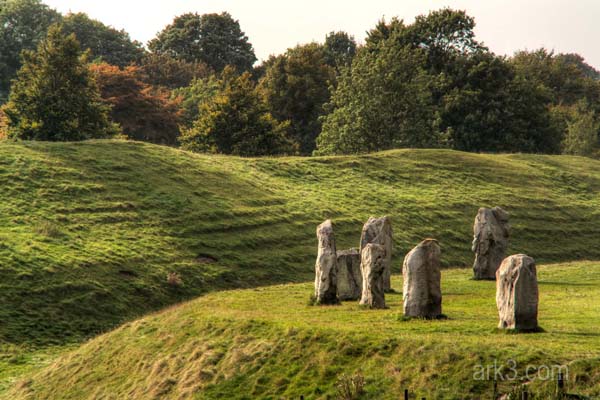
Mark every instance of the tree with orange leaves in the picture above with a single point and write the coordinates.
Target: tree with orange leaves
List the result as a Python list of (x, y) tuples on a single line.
[(144, 112)]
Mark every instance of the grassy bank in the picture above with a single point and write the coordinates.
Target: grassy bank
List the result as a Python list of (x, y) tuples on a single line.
[(268, 343), (90, 231)]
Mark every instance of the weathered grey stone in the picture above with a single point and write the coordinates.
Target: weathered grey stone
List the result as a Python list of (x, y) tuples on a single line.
[(517, 293), (349, 275), (379, 231), (373, 268), (325, 267), (422, 281), (490, 241)]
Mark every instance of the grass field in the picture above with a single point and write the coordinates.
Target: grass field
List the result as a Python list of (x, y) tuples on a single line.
[(268, 343), (89, 231)]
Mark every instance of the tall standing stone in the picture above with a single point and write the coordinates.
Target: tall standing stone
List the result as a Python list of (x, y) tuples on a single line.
[(422, 281), (490, 241), (349, 275), (325, 267), (373, 268), (379, 231), (517, 293)]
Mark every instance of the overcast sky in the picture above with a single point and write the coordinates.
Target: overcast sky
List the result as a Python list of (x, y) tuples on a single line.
[(275, 25)]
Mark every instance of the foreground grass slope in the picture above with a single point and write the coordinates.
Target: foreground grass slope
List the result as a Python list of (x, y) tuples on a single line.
[(89, 231), (268, 343)]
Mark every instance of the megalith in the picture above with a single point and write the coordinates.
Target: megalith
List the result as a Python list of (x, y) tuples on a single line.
[(490, 241), (325, 267), (517, 293), (379, 231), (422, 291), (372, 266), (349, 275)]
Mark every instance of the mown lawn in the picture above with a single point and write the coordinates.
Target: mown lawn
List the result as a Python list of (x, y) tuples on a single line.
[(268, 343)]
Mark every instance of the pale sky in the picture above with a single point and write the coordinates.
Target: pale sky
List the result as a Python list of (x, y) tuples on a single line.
[(275, 25)]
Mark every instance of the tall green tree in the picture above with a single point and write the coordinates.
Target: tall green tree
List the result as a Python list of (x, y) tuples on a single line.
[(104, 42), (444, 35), (382, 102), (54, 97), (194, 96), (339, 50), (487, 107), (431, 83), (582, 131), (214, 39), (236, 121), (23, 24), (171, 73), (295, 87), (566, 76)]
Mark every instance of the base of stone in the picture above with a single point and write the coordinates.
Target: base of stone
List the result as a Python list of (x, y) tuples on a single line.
[(483, 279), (312, 301), (538, 329), (440, 317), (368, 307)]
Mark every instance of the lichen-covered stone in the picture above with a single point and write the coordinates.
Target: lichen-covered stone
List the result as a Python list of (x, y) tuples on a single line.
[(490, 241), (373, 268), (517, 293), (349, 275), (422, 281), (379, 231), (326, 265)]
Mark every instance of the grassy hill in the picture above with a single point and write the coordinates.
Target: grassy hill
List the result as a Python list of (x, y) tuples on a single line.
[(268, 343), (89, 231)]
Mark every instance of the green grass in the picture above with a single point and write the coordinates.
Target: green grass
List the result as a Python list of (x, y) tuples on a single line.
[(268, 343), (90, 231)]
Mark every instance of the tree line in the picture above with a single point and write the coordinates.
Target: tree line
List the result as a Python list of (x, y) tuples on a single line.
[(198, 85)]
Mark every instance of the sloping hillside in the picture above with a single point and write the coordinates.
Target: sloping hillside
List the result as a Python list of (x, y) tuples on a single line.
[(267, 343), (90, 231)]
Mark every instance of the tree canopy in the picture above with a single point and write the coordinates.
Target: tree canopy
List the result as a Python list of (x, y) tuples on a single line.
[(432, 84), (214, 39), (144, 113), (55, 97), (237, 122), (104, 42), (23, 24), (168, 72), (295, 87), (381, 103), (429, 83), (339, 50)]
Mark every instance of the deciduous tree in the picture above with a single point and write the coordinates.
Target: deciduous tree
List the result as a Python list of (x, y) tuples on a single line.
[(171, 73), (104, 42), (198, 93), (295, 87), (339, 50), (23, 24), (581, 136), (383, 102), (237, 122), (55, 97), (144, 113), (214, 39)]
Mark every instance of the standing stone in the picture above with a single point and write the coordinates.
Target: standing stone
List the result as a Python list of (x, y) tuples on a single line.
[(373, 268), (349, 275), (325, 267), (490, 241), (379, 231), (517, 293), (422, 281)]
